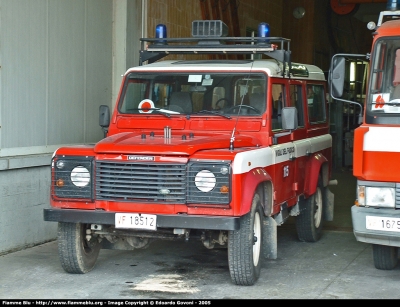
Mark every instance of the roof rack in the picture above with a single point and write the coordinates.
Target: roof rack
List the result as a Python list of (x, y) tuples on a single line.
[(209, 39)]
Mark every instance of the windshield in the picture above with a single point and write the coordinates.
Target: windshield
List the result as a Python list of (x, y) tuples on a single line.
[(194, 93), (383, 104)]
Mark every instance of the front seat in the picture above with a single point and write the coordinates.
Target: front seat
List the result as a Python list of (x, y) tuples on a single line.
[(257, 100), (181, 102)]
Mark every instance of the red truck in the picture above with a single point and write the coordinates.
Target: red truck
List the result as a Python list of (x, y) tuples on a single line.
[(217, 150), (376, 212)]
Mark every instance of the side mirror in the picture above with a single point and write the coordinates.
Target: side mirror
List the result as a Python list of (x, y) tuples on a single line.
[(289, 122), (289, 118), (336, 77), (104, 116)]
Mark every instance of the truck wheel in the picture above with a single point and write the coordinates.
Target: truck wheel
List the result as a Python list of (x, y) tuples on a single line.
[(244, 246), (77, 255), (385, 257), (309, 221)]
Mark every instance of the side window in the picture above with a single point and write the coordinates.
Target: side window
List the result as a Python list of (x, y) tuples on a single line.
[(297, 101), (378, 69), (396, 76), (316, 104), (278, 101)]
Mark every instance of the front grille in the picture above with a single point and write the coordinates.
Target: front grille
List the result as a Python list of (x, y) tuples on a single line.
[(141, 182)]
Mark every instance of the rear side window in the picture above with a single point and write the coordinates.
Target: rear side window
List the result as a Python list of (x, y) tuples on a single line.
[(297, 101), (278, 102), (316, 104)]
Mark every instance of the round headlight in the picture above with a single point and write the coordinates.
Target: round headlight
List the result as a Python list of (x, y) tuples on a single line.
[(80, 176), (205, 181)]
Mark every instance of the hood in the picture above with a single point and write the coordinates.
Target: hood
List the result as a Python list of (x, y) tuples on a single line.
[(136, 143)]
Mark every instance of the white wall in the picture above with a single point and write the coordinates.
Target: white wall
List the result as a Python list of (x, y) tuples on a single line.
[(56, 69), (55, 72)]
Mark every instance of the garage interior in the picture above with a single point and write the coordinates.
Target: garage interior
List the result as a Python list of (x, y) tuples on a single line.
[(60, 60)]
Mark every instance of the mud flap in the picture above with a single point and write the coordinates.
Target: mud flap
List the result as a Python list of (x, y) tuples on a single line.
[(269, 244), (328, 201)]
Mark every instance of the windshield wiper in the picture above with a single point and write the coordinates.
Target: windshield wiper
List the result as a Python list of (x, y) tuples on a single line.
[(156, 111), (213, 113), (394, 102)]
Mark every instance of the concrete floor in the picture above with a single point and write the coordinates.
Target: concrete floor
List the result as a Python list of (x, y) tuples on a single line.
[(336, 267)]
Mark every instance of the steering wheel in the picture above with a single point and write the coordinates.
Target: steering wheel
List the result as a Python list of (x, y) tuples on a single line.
[(219, 100), (245, 106)]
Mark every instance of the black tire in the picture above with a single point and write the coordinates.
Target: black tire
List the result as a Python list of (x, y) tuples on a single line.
[(77, 255), (309, 221), (385, 257), (244, 247)]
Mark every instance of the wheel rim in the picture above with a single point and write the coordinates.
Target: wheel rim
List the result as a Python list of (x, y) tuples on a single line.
[(318, 208), (257, 238), (87, 247)]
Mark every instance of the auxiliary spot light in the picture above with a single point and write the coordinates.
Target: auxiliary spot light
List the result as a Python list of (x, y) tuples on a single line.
[(393, 5)]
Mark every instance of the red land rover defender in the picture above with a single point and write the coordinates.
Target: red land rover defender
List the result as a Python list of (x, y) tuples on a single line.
[(218, 150)]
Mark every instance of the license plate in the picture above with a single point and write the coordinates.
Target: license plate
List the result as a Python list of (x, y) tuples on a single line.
[(136, 221), (382, 223)]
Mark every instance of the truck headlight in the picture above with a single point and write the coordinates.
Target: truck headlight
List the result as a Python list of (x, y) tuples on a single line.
[(205, 181), (80, 176), (376, 196), (72, 177), (209, 182)]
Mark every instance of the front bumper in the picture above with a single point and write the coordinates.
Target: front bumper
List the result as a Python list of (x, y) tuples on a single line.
[(163, 221), (362, 234)]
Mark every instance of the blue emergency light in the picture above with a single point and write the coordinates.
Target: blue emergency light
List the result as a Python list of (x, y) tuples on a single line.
[(393, 5), (263, 31), (161, 32)]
